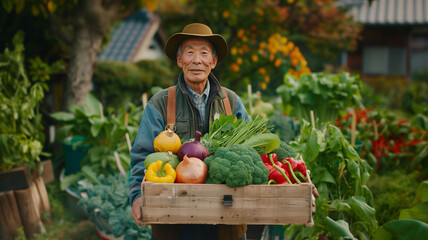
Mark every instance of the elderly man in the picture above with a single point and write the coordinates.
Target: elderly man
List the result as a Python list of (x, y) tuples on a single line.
[(198, 97)]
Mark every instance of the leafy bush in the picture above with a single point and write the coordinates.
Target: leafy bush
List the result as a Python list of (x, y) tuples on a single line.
[(388, 141), (117, 83), (328, 95), (21, 127), (105, 135), (345, 208), (412, 222), (392, 191), (107, 205)]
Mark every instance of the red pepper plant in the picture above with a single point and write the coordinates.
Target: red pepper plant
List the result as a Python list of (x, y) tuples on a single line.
[(387, 141), (345, 208)]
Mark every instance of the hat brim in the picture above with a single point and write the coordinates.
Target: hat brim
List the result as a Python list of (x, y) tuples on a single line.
[(171, 46)]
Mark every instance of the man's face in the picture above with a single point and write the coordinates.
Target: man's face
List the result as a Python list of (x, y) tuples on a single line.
[(196, 60)]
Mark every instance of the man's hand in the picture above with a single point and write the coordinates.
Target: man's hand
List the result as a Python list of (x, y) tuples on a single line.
[(136, 211), (314, 193)]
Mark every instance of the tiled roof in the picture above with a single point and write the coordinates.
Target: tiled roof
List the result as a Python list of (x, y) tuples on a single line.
[(388, 12), (126, 38)]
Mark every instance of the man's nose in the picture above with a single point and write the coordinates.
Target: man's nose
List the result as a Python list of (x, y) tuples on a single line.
[(197, 59)]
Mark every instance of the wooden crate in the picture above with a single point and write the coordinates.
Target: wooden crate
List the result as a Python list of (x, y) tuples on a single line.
[(164, 203)]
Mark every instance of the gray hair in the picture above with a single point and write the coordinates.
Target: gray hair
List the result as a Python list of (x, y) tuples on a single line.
[(212, 46)]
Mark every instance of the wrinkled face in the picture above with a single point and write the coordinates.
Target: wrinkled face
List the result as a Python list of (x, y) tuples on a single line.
[(196, 60)]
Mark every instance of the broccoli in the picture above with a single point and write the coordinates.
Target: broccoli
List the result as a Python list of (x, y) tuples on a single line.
[(236, 166), (284, 151)]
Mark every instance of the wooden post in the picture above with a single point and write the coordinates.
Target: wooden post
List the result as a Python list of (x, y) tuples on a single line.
[(312, 119), (10, 219), (353, 127), (250, 96), (28, 210), (43, 195)]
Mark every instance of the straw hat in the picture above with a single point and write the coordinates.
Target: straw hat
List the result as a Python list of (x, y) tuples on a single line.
[(196, 30)]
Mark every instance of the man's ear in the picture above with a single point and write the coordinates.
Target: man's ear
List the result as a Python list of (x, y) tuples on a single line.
[(179, 61), (215, 59)]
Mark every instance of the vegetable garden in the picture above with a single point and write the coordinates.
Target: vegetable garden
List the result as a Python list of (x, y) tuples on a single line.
[(366, 153)]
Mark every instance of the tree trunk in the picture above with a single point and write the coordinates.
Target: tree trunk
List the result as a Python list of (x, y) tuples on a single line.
[(86, 48), (90, 23), (92, 20)]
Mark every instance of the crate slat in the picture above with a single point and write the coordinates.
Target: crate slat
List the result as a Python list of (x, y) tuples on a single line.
[(203, 204)]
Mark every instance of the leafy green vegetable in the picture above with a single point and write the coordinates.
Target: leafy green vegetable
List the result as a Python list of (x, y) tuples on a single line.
[(107, 205), (340, 177), (328, 95), (264, 143), (227, 131), (284, 151)]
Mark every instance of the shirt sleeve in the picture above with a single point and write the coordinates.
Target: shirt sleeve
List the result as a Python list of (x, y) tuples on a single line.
[(150, 126), (240, 111)]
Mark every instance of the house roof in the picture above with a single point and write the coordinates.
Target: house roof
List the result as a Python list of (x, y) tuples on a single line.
[(388, 12), (128, 37)]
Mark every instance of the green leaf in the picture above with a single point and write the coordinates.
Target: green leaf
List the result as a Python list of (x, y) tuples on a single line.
[(69, 180), (19, 5), (362, 209), (92, 105), (340, 205), (418, 212), (89, 174), (321, 174), (62, 116), (313, 146), (422, 192), (97, 125), (405, 230), (339, 229), (7, 5)]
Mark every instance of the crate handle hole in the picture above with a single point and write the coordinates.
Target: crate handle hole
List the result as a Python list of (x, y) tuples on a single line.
[(227, 201)]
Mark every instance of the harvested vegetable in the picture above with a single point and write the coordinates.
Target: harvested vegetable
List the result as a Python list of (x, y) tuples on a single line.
[(298, 167), (167, 141), (194, 149), (284, 151), (162, 156), (263, 142), (236, 166), (227, 131), (160, 172), (191, 170)]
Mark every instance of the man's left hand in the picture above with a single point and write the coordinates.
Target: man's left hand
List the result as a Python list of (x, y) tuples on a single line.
[(315, 193)]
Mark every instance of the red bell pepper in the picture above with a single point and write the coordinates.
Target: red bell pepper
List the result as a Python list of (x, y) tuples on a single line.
[(276, 172), (298, 166)]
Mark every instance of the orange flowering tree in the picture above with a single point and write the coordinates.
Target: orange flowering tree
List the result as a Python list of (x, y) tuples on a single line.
[(265, 37)]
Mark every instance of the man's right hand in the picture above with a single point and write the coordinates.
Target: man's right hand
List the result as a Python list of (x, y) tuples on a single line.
[(136, 211)]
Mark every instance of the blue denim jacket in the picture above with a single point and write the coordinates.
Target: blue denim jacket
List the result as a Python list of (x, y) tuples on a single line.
[(152, 123)]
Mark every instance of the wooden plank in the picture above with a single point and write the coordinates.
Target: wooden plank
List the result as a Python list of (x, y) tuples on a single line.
[(203, 204), (15, 179), (10, 220), (48, 173), (43, 195), (28, 210)]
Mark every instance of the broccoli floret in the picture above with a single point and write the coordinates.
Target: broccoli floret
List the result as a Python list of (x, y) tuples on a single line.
[(236, 166), (284, 151)]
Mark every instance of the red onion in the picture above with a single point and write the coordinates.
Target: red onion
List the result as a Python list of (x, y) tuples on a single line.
[(194, 149), (191, 170)]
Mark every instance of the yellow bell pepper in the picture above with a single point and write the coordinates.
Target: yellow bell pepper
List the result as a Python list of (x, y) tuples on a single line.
[(160, 172)]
